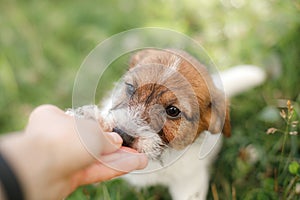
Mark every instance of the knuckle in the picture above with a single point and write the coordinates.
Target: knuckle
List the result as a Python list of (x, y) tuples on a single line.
[(44, 111)]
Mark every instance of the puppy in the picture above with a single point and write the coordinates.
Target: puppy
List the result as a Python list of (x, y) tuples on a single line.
[(165, 106)]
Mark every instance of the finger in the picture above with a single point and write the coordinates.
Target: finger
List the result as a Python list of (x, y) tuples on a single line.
[(125, 159), (40, 112), (42, 117), (93, 174), (75, 142), (112, 142), (122, 152), (89, 131), (121, 163), (91, 136)]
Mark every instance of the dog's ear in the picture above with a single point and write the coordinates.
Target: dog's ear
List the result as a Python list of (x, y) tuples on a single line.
[(140, 56), (137, 57), (220, 116), (226, 126)]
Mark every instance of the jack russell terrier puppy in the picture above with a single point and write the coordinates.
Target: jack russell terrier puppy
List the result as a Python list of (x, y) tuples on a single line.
[(164, 107)]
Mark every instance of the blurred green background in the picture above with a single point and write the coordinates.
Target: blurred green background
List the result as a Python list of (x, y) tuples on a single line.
[(43, 43)]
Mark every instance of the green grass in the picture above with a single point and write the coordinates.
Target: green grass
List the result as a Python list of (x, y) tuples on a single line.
[(43, 43), (119, 189)]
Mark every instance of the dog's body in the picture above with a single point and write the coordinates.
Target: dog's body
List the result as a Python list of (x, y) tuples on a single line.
[(166, 107), (187, 178)]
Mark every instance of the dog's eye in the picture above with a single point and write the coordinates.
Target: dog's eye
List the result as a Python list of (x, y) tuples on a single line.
[(130, 89), (172, 111)]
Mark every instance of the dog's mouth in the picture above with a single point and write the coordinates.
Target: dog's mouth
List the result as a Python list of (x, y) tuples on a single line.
[(153, 146), (128, 140)]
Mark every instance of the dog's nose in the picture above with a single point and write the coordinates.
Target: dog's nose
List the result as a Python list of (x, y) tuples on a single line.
[(127, 139)]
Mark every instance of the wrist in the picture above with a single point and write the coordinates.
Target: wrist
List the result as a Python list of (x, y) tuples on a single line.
[(13, 149)]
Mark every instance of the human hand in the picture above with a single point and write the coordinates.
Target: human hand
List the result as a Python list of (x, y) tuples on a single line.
[(50, 156)]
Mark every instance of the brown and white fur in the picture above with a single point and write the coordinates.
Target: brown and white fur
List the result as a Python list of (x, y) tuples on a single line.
[(169, 107)]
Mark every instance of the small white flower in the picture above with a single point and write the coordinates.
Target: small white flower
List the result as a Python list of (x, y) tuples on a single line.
[(271, 131), (293, 133)]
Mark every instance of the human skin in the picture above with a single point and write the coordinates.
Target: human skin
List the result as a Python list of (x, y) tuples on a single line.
[(50, 156)]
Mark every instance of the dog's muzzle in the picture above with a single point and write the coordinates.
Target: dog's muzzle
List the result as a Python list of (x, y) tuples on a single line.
[(127, 139)]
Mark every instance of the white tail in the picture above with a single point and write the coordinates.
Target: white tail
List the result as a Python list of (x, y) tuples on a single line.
[(240, 78)]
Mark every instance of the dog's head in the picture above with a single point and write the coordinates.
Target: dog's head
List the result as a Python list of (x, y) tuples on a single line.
[(166, 99)]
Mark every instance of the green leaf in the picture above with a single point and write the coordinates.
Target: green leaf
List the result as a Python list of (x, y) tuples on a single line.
[(294, 168)]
